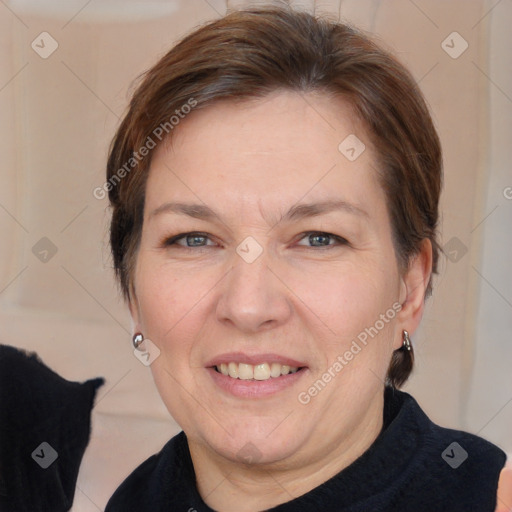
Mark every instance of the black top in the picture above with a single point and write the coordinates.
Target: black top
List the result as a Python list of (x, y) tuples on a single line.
[(45, 426), (412, 466)]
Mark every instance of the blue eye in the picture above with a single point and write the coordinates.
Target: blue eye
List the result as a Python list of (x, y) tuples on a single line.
[(323, 239), (194, 239)]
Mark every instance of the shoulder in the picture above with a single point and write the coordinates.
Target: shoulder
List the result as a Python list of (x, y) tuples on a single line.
[(462, 446), (143, 489), (460, 469)]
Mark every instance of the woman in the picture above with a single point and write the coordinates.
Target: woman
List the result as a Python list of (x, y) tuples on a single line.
[(275, 188)]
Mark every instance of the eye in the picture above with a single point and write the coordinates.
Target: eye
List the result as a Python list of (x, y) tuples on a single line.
[(321, 239), (192, 239), (195, 239)]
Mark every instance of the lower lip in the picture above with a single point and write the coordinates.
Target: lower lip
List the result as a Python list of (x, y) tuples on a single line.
[(255, 388)]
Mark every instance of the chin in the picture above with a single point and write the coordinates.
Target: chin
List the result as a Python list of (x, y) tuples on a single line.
[(261, 444)]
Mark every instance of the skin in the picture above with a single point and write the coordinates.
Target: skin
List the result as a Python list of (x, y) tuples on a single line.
[(251, 162), (504, 497)]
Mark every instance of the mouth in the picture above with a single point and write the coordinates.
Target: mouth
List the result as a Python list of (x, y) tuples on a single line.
[(259, 372), (255, 376)]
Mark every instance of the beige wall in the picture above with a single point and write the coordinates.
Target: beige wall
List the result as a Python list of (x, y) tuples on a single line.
[(59, 114)]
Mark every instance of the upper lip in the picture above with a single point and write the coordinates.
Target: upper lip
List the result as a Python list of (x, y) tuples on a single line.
[(253, 359)]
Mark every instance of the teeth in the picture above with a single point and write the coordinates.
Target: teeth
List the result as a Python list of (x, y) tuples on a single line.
[(245, 371), (233, 370), (275, 370), (263, 371)]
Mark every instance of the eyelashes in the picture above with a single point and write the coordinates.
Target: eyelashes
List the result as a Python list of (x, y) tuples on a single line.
[(168, 242), (322, 234), (172, 242)]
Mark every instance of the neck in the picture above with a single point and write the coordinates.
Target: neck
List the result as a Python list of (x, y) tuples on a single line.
[(229, 486)]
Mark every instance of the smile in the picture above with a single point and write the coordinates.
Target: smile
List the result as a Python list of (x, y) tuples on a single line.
[(262, 371)]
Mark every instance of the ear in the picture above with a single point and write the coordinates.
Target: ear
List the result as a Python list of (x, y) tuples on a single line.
[(412, 290)]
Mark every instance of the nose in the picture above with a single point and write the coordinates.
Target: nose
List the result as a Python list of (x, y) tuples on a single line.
[(254, 297)]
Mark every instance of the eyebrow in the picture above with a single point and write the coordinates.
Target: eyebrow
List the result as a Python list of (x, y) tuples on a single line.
[(295, 213)]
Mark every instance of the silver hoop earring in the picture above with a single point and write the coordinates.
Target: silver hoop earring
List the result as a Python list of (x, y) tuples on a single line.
[(407, 341), (137, 339)]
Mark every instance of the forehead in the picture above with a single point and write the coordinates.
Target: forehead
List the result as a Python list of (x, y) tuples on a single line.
[(266, 152)]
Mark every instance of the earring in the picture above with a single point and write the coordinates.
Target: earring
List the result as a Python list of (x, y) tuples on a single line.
[(137, 339), (407, 341)]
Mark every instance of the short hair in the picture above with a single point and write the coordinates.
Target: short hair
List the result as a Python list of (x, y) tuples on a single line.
[(251, 53)]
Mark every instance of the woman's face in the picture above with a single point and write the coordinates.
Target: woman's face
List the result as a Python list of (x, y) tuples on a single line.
[(265, 280)]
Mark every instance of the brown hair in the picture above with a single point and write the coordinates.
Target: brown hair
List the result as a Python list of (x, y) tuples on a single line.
[(250, 53)]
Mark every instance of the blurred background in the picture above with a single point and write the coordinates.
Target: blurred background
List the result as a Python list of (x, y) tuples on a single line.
[(66, 72)]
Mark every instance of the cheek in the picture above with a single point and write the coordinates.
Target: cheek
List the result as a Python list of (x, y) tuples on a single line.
[(171, 310), (351, 298), (175, 308), (166, 296), (360, 307)]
